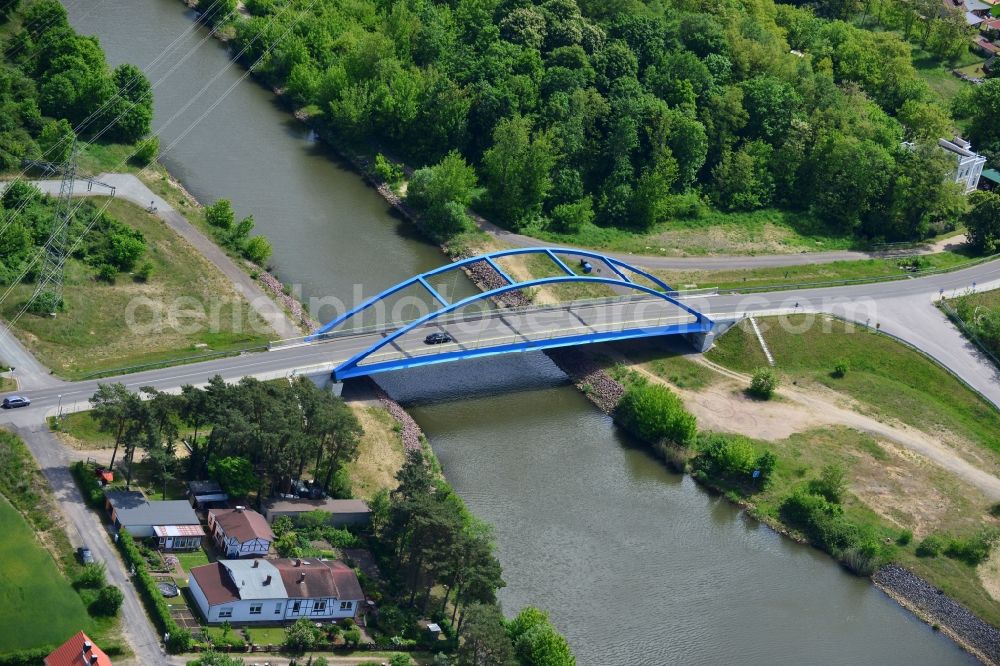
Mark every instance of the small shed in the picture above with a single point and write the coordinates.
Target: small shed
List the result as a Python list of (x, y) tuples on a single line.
[(173, 522), (206, 494), (342, 511)]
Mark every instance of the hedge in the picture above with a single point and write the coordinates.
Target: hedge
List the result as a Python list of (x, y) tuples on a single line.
[(31, 657), (90, 487), (159, 611)]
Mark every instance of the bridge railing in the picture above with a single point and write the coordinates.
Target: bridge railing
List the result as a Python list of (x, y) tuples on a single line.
[(460, 317), (514, 338)]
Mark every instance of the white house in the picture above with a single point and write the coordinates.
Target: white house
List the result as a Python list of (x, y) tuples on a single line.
[(969, 164), (275, 591), (240, 532)]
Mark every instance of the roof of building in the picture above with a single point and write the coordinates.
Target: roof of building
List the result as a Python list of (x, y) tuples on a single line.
[(975, 6), (178, 530), (957, 145), (329, 505), (243, 524), (204, 487), (991, 175), (233, 580), (315, 579), (215, 583), (132, 508), (75, 652), (255, 579)]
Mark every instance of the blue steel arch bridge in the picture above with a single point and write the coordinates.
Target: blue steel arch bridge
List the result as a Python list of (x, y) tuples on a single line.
[(642, 306)]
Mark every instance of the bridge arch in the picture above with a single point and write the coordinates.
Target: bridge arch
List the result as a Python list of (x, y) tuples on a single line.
[(621, 270)]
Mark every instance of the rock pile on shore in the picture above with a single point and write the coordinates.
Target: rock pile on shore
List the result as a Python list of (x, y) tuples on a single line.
[(597, 384), (411, 431), (905, 586), (487, 279)]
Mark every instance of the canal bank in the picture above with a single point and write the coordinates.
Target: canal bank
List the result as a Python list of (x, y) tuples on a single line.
[(636, 565)]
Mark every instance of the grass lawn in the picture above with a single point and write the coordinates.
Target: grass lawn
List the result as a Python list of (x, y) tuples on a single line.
[(767, 231), (776, 276), (38, 607), (195, 558), (81, 427), (894, 380), (666, 358), (268, 635), (195, 304), (986, 299), (380, 454)]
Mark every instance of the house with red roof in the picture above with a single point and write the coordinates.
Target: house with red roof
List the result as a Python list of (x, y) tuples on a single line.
[(240, 532), (275, 591), (78, 651)]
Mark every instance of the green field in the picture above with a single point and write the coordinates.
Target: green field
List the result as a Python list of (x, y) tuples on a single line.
[(768, 231), (197, 307), (861, 270), (38, 607), (894, 380)]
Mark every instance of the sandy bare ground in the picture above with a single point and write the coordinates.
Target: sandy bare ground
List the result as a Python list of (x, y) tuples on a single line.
[(726, 408)]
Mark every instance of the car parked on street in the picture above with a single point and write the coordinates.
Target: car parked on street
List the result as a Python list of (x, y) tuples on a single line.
[(86, 557), (437, 339), (12, 401)]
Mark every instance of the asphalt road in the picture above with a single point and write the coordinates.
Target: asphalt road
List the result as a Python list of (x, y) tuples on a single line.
[(903, 309)]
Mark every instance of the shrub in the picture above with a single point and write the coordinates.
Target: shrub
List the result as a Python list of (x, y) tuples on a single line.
[(731, 459), (831, 483), (257, 249), (387, 170), (92, 576), (107, 273), (108, 601), (352, 636), (400, 659), (145, 270), (861, 562), (220, 214), (995, 510), (931, 546), (764, 383), (972, 550), (904, 538), (840, 368), (652, 412), (90, 487), (148, 150), (301, 636)]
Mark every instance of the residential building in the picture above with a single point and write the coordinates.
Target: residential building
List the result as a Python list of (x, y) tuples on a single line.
[(240, 532), (173, 522), (206, 494), (342, 511), (275, 591), (969, 164), (78, 651)]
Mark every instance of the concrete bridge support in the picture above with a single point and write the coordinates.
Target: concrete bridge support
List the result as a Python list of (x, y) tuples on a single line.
[(704, 341)]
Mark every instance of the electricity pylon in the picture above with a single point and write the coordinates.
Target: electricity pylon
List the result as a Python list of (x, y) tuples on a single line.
[(49, 286)]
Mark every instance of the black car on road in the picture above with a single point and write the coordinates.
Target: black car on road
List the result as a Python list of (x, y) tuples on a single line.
[(437, 339), (12, 401), (86, 557)]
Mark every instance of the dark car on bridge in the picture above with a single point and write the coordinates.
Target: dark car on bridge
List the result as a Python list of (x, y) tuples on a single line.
[(437, 339), (12, 401)]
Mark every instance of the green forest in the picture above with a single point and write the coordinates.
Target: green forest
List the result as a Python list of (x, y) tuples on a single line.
[(53, 80), (561, 114)]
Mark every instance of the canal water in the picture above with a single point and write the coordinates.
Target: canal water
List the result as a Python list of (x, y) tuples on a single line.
[(634, 564)]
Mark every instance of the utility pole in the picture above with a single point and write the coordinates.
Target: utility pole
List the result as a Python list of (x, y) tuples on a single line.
[(49, 286)]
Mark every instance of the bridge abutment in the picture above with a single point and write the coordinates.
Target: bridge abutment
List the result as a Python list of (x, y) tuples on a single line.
[(704, 341)]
